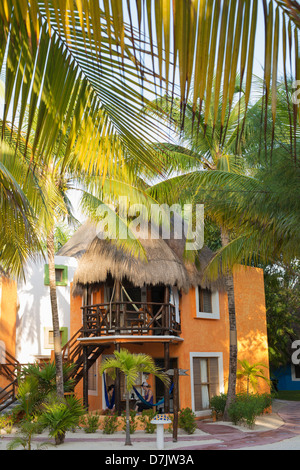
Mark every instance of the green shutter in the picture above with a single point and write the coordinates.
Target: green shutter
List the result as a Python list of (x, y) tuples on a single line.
[(63, 282)]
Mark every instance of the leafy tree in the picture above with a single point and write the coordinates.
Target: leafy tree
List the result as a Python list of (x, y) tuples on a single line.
[(282, 290), (212, 149)]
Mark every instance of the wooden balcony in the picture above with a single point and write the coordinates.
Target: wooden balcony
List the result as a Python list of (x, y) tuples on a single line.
[(130, 318)]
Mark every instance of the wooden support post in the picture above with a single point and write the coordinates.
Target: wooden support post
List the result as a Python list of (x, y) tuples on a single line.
[(85, 379), (167, 367), (166, 316), (118, 299), (118, 387), (175, 404)]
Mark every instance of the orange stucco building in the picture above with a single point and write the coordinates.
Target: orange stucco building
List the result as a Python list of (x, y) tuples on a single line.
[(202, 340), (161, 307), (8, 319)]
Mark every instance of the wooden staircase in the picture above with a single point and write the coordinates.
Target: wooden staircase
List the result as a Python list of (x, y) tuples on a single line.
[(72, 353), (9, 370)]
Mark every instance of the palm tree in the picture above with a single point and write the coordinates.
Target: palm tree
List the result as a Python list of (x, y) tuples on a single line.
[(214, 148), (251, 373), (24, 194), (95, 43), (131, 365)]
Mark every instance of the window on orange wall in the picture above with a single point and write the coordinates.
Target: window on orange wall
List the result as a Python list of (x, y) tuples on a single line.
[(207, 303), (205, 300), (206, 381)]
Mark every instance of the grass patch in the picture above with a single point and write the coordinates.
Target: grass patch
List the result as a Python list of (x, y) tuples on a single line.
[(292, 395)]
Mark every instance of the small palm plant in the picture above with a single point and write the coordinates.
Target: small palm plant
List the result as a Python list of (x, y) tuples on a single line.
[(59, 416), (251, 373), (131, 365)]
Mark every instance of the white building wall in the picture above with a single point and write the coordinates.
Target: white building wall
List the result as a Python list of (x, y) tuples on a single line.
[(34, 312)]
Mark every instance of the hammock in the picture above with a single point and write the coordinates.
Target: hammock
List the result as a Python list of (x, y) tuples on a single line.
[(160, 402), (109, 404)]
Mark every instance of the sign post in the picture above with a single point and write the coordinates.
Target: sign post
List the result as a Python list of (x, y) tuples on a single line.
[(176, 373)]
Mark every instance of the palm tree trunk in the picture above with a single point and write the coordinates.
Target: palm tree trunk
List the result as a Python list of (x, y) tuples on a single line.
[(128, 440), (55, 319), (231, 394)]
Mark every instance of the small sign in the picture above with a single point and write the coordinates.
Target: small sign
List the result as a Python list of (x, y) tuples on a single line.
[(180, 372)]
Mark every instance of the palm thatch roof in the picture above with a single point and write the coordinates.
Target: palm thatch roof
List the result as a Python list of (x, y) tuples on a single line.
[(164, 262)]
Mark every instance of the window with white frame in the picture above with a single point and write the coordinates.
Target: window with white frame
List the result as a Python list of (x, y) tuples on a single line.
[(207, 303), (296, 372), (206, 379)]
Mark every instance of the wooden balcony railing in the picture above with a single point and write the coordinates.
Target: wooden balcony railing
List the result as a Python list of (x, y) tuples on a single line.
[(127, 318)]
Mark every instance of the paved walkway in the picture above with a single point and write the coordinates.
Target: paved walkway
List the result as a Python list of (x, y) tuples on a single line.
[(285, 433), (280, 430)]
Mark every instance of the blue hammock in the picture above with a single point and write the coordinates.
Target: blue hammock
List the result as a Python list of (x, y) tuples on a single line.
[(109, 404), (151, 404)]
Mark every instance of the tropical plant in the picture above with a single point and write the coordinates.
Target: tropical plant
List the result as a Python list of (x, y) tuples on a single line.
[(59, 416), (146, 418), (131, 365), (250, 201), (214, 148), (217, 404), (246, 408), (186, 420), (45, 375), (118, 38), (27, 431), (110, 423), (282, 288), (133, 422), (251, 373), (90, 423)]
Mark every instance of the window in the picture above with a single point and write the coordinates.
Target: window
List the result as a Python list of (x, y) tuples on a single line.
[(61, 275), (205, 381), (49, 338), (207, 304), (295, 372)]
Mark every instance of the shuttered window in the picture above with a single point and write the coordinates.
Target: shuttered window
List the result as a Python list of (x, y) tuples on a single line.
[(205, 300), (206, 381)]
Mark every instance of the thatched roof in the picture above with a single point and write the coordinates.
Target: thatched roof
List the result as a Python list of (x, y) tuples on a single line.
[(99, 259)]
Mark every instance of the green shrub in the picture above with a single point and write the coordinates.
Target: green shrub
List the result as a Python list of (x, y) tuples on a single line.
[(217, 404), (62, 416), (26, 433), (247, 408), (132, 421), (110, 423), (6, 422), (147, 416), (187, 421), (90, 423)]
